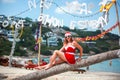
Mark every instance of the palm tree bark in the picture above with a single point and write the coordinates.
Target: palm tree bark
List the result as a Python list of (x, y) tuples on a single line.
[(66, 67)]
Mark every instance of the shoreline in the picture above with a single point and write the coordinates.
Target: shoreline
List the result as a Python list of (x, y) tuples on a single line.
[(7, 73)]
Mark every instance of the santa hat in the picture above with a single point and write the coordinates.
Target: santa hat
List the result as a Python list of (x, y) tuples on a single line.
[(68, 34)]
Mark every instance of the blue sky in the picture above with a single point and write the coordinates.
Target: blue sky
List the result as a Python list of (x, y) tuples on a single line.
[(59, 9)]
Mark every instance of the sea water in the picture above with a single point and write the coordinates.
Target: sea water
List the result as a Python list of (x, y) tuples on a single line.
[(107, 66)]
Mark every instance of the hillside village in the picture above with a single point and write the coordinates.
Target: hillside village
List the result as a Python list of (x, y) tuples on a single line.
[(52, 38)]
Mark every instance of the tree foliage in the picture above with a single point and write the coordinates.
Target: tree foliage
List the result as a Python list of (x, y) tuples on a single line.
[(27, 39), (5, 46)]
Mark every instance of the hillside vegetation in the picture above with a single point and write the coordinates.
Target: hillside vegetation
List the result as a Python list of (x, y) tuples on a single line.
[(108, 42)]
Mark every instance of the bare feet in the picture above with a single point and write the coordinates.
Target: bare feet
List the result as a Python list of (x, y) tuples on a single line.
[(48, 66), (43, 67), (39, 67)]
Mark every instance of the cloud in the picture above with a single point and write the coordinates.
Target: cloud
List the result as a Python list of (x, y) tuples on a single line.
[(70, 7), (74, 7)]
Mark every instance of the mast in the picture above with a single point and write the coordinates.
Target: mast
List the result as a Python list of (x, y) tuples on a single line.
[(117, 16), (40, 31)]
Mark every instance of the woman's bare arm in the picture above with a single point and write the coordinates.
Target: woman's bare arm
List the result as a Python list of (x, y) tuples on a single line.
[(79, 47)]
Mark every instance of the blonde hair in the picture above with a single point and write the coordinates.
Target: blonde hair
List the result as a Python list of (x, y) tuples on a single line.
[(66, 41)]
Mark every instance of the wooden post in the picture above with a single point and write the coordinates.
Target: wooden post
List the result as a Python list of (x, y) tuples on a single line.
[(117, 20), (40, 32), (13, 46)]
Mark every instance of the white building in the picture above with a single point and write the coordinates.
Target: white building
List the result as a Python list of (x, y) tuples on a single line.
[(52, 41), (10, 35)]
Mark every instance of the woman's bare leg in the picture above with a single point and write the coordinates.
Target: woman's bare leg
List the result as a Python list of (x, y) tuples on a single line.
[(56, 54), (59, 61), (52, 59)]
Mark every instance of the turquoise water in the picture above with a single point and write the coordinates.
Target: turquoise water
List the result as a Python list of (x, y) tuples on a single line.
[(105, 66), (101, 67)]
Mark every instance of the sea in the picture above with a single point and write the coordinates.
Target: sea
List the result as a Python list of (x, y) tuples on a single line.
[(112, 65), (106, 66)]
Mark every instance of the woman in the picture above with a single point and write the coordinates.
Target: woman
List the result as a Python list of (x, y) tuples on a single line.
[(65, 54)]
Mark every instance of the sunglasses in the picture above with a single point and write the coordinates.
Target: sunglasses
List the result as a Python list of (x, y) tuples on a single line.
[(68, 36)]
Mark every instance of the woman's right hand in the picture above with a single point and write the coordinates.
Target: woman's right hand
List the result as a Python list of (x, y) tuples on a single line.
[(79, 59)]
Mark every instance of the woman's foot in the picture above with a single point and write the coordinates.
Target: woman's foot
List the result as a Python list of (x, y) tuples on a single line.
[(39, 67), (48, 66)]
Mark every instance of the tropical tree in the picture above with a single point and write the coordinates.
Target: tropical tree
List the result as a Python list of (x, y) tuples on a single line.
[(5, 46), (66, 67), (27, 39)]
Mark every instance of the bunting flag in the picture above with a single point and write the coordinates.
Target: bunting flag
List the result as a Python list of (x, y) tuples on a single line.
[(106, 7), (37, 33), (38, 38), (88, 38)]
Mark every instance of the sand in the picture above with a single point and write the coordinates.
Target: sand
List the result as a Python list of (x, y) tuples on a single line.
[(86, 76), (7, 73)]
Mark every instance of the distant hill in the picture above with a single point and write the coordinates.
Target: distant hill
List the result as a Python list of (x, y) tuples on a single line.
[(108, 42)]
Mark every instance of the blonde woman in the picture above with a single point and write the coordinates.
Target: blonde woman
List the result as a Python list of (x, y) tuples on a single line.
[(65, 54)]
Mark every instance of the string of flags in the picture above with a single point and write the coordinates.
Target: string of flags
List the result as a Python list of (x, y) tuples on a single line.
[(88, 38)]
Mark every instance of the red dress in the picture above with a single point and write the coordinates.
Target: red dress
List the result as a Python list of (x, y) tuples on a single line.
[(70, 54)]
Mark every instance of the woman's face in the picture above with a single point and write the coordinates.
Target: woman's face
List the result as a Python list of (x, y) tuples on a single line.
[(68, 37)]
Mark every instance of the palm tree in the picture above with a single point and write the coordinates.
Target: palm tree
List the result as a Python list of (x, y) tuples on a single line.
[(66, 67)]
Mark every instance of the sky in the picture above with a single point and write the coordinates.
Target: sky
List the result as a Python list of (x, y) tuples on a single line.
[(70, 13)]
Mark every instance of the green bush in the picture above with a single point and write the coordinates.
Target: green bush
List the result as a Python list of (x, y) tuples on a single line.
[(46, 52), (5, 46), (95, 50)]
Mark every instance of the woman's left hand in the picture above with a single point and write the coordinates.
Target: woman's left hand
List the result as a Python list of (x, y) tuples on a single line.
[(79, 59)]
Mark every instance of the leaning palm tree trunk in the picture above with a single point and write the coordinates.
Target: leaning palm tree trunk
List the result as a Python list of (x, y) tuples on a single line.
[(66, 67)]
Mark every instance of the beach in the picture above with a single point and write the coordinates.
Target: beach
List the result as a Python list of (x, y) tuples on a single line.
[(7, 73), (70, 75)]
